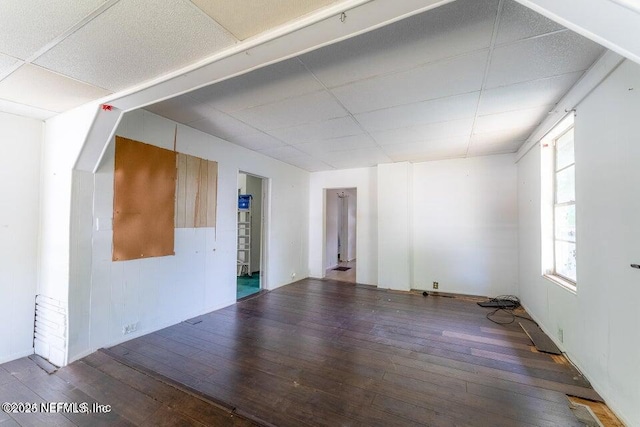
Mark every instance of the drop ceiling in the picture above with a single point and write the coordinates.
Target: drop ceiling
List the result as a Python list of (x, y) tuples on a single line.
[(470, 78), (58, 54)]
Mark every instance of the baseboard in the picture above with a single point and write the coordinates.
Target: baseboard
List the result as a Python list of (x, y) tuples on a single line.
[(18, 355), (596, 386), (142, 332)]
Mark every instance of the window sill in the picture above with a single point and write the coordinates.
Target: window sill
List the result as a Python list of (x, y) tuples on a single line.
[(563, 283)]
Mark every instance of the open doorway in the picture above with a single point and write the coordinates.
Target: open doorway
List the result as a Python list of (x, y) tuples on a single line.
[(250, 242), (340, 234)]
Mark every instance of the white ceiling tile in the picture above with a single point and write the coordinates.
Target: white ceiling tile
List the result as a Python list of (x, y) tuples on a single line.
[(309, 163), (540, 57), (513, 135), (430, 155), (223, 126), (263, 86), (182, 109), (527, 118), (519, 22), (337, 144), (485, 150), (257, 141), (455, 28), (35, 23), (282, 153), (526, 95), (248, 18), (6, 62), (419, 152), (437, 110), (419, 149), (136, 40), (427, 132), (310, 132), (312, 107), (436, 80), (363, 157), (37, 87)]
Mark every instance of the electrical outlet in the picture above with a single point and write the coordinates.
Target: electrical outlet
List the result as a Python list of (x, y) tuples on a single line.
[(131, 327), (560, 335), (293, 276), (435, 285)]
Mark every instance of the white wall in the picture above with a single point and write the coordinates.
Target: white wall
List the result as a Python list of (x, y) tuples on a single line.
[(465, 225), (600, 322), (394, 225), (451, 221), (156, 292), (21, 142), (364, 180), (61, 208)]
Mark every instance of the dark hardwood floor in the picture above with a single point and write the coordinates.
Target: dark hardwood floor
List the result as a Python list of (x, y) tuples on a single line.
[(327, 353), (314, 353)]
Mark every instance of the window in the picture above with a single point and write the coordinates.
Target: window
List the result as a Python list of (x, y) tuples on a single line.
[(564, 208), (558, 205)]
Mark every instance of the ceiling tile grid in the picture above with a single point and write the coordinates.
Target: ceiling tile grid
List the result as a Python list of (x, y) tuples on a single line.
[(318, 131), (307, 108), (265, 85), (518, 22), (541, 57), (432, 111), (458, 27), (338, 144), (529, 94), (36, 86), (432, 131), (432, 86), (257, 141), (246, 18), (134, 41), (6, 63), (28, 26), (449, 77)]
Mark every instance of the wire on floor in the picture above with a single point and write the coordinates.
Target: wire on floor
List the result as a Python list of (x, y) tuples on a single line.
[(506, 304)]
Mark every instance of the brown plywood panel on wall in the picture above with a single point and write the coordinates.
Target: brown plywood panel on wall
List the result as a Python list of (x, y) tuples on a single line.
[(144, 199), (196, 195)]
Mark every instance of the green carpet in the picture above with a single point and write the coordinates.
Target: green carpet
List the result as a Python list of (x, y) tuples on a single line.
[(248, 285)]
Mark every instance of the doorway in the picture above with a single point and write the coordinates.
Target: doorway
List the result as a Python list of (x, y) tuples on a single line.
[(251, 232), (340, 234)]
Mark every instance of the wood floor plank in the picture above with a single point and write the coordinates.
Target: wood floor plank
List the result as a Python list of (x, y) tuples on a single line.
[(321, 352), (326, 353)]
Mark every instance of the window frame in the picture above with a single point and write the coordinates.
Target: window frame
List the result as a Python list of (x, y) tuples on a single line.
[(564, 280), (548, 199)]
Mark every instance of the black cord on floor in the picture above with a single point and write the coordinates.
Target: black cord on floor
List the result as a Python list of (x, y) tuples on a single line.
[(506, 304)]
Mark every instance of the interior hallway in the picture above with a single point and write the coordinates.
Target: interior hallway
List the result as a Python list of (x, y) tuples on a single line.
[(343, 276)]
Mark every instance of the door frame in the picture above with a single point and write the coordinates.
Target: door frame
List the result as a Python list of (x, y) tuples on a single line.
[(265, 213)]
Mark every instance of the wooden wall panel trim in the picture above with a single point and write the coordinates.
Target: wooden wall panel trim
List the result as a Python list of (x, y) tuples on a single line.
[(196, 192)]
